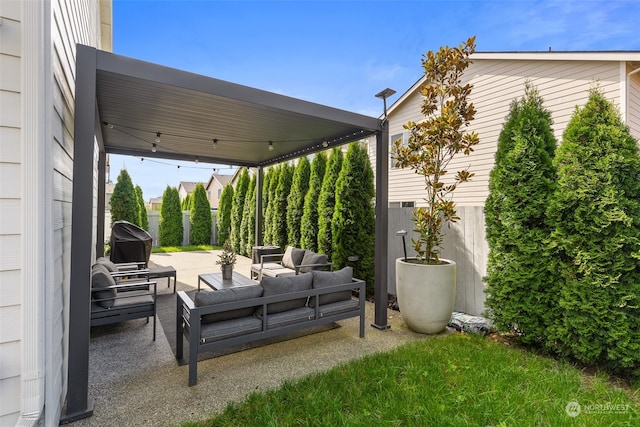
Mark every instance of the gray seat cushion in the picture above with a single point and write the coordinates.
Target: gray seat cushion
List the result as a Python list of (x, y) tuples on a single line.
[(110, 266), (290, 317), (322, 279), (230, 328), (292, 257), (338, 307), (312, 258), (284, 285), (101, 280), (227, 295)]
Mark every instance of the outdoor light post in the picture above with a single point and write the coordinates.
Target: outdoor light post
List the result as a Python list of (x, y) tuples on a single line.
[(384, 94)]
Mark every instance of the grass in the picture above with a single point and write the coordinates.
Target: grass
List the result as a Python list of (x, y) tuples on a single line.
[(457, 380), (166, 249)]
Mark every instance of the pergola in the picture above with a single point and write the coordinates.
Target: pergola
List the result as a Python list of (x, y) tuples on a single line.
[(130, 107)]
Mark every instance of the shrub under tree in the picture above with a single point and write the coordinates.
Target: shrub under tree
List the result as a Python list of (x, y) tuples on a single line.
[(239, 194), (595, 213), (247, 232), (171, 229), (279, 219), (124, 202), (200, 217), (223, 219), (327, 200), (309, 222), (142, 209), (520, 289), (295, 200), (353, 225)]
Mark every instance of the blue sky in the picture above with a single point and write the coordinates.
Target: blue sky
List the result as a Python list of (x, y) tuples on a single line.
[(340, 53)]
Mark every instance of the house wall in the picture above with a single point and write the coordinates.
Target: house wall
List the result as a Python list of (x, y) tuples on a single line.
[(212, 193), (562, 84), (37, 74)]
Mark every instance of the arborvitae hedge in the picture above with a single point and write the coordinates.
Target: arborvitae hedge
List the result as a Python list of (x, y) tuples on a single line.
[(142, 209), (520, 288), (187, 203), (239, 194), (353, 225), (265, 197), (200, 217), (171, 229), (279, 218), (223, 219), (295, 200), (124, 203), (309, 224), (247, 232), (595, 214), (270, 211), (327, 200)]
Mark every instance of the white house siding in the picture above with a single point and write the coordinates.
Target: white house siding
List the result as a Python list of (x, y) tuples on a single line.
[(62, 24), (633, 104)]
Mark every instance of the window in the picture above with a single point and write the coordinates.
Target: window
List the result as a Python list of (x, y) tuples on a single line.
[(405, 140), (402, 204)]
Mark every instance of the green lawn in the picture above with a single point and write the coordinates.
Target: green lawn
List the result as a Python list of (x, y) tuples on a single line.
[(165, 249), (457, 380)]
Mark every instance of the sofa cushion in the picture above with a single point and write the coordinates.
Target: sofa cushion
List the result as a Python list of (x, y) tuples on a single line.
[(222, 296), (110, 266), (290, 317), (312, 258), (322, 279), (101, 280), (229, 328), (283, 285), (292, 257)]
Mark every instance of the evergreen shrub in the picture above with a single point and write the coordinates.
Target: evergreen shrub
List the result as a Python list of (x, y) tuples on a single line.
[(171, 229), (200, 217)]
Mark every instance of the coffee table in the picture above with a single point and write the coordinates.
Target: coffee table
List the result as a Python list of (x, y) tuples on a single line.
[(216, 282)]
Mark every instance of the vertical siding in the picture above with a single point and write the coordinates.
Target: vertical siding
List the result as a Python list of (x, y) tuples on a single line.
[(10, 212), (633, 104)]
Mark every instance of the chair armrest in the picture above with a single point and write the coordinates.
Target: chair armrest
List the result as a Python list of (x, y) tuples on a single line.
[(142, 272), (126, 266), (270, 258)]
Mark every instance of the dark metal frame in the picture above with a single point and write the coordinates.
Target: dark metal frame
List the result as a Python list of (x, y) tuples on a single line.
[(88, 130)]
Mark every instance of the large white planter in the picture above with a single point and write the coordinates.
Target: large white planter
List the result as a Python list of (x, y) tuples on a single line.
[(426, 294)]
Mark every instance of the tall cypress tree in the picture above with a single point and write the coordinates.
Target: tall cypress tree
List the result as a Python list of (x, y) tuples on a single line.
[(249, 219), (519, 290), (309, 224), (595, 213), (295, 200), (353, 225), (239, 195), (171, 229), (279, 219), (124, 203), (223, 220), (200, 217), (142, 209), (327, 201), (272, 206), (265, 199)]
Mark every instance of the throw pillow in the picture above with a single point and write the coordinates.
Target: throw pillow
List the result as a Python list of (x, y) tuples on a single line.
[(312, 258), (100, 282), (322, 279), (111, 267), (284, 285), (292, 257), (222, 296)]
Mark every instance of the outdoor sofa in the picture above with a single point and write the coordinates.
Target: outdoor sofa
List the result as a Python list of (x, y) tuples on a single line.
[(231, 317), (290, 263)]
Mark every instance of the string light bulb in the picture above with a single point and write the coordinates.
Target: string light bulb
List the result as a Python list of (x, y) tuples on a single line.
[(158, 137), (196, 160), (215, 143), (270, 145), (153, 148), (325, 144)]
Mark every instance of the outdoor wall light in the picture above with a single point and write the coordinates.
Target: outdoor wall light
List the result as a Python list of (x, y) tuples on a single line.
[(384, 94), (158, 137), (270, 145), (215, 143), (153, 148)]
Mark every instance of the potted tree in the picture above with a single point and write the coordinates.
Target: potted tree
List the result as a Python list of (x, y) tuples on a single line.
[(426, 284), (226, 260)]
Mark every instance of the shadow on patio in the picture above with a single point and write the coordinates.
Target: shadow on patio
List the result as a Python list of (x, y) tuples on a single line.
[(136, 381)]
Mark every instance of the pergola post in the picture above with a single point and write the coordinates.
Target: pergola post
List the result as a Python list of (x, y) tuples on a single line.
[(382, 228), (259, 219)]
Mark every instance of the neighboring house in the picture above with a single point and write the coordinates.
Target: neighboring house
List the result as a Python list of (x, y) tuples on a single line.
[(155, 203), (37, 74), (108, 192), (186, 188), (563, 79), (214, 188)]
